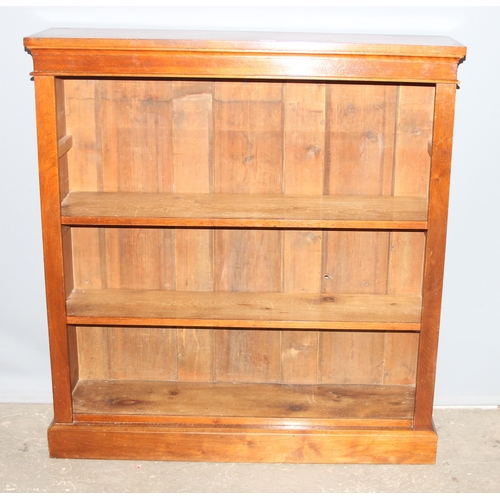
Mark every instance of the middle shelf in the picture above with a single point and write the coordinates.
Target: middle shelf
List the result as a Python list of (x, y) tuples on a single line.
[(244, 310), (244, 210)]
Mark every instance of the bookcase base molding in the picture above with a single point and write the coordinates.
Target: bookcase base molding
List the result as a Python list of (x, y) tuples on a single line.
[(244, 240), (106, 441)]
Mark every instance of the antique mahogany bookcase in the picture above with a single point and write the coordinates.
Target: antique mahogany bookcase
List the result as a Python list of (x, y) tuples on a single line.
[(244, 239)]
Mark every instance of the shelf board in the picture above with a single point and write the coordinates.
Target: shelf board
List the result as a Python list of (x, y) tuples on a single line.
[(242, 210), (244, 310), (258, 404)]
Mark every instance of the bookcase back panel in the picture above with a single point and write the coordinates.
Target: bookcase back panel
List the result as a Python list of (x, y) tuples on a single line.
[(289, 138), (248, 137), (262, 356), (227, 260)]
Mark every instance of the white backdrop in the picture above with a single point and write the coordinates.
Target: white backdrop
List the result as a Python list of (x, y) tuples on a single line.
[(468, 361)]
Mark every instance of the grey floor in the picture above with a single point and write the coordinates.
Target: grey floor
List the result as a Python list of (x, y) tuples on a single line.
[(468, 461)]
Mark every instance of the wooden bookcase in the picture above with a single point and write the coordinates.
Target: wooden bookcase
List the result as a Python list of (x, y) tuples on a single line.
[(244, 239)]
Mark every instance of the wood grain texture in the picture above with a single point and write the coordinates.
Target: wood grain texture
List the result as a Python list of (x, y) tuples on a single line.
[(257, 210), (407, 249), (248, 150), (64, 141), (189, 106), (46, 115), (442, 140), (230, 400), (248, 356), (244, 242), (361, 139), (64, 145), (304, 124), (83, 122), (286, 42), (192, 160), (244, 309), (74, 362), (359, 162), (127, 353), (352, 358), (355, 262), (413, 59), (411, 178), (400, 358), (251, 445)]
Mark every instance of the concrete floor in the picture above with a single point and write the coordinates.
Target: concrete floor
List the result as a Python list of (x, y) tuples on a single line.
[(468, 461)]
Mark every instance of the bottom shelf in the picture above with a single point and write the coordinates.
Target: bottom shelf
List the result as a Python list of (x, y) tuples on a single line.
[(152, 420), (269, 405)]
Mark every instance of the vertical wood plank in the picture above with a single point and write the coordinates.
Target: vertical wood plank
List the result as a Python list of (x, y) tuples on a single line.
[(406, 263), (192, 140), (406, 256), (142, 353), (195, 355), (133, 134), (400, 360), (244, 356), (304, 138), (355, 262), (411, 178), (127, 353), (248, 135), (248, 261), (84, 163), (442, 141), (67, 245), (86, 258), (134, 260), (73, 356), (248, 141), (299, 357), (361, 124), (82, 120), (304, 159), (46, 116), (127, 131), (134, 126), (352, 358), (413, 134), (69, 286), (93, 353), (139, 160), (361, 120), (61, 132)]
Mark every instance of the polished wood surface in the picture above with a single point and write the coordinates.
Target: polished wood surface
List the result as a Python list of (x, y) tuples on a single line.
[(231, 210), (118, 442), (245, 55), (244, 309), (49, 172), (244, 240), (435, 251)]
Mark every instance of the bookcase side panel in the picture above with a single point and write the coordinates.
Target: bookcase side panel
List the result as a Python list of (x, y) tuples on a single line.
[(47, 91)]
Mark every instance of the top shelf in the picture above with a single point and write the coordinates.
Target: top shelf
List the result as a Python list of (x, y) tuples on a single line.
[(247, 40), (242, 210), (328, 56)]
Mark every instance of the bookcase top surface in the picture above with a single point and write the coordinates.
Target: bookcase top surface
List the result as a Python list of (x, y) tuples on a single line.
[(95, 38)]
